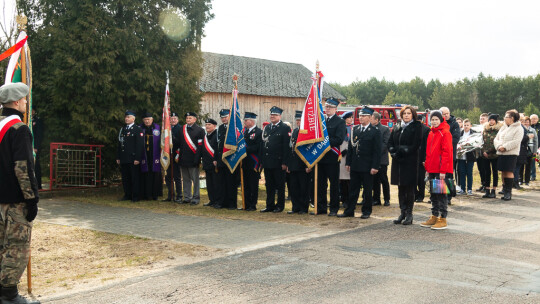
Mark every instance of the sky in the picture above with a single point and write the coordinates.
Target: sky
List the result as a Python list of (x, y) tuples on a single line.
[(395, 40)]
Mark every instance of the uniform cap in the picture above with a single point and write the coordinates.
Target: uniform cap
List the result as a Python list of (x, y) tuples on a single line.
[(347, 115), (275, 110), (174, 114), (366, 111), (210, 121), (130, 112), (298, 114), (332, 102), (147, 115), (13, 91), (190, 114), (249, 115), (224, 113)]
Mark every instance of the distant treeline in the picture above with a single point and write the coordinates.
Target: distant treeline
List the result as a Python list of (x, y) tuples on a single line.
[(466, 98)]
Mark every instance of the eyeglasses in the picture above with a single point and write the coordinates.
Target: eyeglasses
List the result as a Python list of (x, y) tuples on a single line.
[(508, 117)]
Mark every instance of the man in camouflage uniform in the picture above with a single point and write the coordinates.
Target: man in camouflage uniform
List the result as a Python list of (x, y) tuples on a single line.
[(19, 191)]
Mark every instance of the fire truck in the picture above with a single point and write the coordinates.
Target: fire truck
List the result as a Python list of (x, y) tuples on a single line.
[(390, 115)]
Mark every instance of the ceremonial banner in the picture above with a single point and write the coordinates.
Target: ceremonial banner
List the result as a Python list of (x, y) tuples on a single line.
[(20, 70), (234, 149), (313, 141), (166, 137)]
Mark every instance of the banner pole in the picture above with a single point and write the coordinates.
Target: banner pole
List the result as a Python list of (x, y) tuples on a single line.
[(242, 184), (29, 272), (315, 188)]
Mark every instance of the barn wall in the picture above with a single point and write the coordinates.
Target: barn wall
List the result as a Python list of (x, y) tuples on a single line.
[(212, 103)]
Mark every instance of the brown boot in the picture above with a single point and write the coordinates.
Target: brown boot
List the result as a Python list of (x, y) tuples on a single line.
[(430, 222), (441, 224)]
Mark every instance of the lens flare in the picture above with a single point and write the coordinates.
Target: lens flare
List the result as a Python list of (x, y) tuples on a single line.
[(174, 24)]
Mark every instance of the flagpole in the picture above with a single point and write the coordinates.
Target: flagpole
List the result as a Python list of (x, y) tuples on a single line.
[(315, 178), (235, 80), (171, 150)]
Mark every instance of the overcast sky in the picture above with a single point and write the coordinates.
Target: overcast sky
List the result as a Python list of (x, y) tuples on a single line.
[(397, 40)]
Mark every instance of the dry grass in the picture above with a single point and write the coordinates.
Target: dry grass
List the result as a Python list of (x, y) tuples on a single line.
[(66, 258)]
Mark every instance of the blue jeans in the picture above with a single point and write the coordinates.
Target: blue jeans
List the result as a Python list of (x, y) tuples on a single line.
[(533, 169), (465, 169)]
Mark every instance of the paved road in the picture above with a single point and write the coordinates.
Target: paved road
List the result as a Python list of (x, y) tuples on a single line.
[(490, 254)]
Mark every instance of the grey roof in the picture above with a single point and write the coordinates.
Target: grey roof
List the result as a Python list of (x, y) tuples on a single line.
[(258, 77)]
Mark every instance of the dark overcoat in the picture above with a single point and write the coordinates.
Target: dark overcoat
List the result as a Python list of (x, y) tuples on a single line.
[(404, 147)]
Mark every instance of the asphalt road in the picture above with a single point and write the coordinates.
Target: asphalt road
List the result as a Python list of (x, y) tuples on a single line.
[(489, 254)]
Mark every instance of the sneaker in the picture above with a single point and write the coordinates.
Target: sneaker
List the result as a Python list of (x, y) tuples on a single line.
[(469, 192), (458, 188), (460, 192), (441, 224)]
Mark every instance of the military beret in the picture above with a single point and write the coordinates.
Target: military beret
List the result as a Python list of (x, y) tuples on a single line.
[(210, 121), (129, 112), (224, 113), (298, 114), (13, 91), (275, 110), (332, 102), (249, 115), (174, 114), (190, 114)]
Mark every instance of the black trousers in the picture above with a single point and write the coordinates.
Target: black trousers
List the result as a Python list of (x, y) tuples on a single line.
[(525, 172), (406, 198), (174, 170), (212, 184), (481, 163), (228, 183), (298, 190), (439, 202), (37, 169), (275, 180), (381, 178), (151, 184), (328, 173), (311, 187), (490, 169), (358, 180), (344, 185), (420, 190), (131, 175), (251, 187)]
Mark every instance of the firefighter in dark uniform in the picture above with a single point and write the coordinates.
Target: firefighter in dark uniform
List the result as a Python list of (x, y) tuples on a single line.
[(275, 152), (191, 146), (228, 184), (363, 162), (298, 174), (251, 164), (129, 155), (18, 191), (209, 163), (329, 165), (173, 172)]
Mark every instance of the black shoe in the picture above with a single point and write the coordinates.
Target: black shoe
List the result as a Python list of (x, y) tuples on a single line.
[(267, 210), (332, 213), (501, 192), (346, 215), (399, 219), (218, 206), (10, 295), (184, 202), (251, 209), (302, 212), (291, 212), (194, 203), (231, 208), (277, 210), (318, 213), (209, 204), (377, 203), (168, 199), (408, 219), (364, 216), (387, 203), (481, 189)]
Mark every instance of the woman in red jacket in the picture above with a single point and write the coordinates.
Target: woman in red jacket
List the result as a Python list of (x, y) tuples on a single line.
[(439, 165)]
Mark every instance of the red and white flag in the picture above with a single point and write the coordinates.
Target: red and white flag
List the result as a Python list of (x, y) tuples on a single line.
[(166, 138)]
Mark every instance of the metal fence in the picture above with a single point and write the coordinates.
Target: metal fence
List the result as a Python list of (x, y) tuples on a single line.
[(75, 165)]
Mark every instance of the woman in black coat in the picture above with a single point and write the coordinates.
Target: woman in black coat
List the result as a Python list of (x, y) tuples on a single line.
[(404, 146)]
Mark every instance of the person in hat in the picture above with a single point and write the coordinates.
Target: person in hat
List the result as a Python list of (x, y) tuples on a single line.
[(329, 164), (344, 175), (209, 164), (404, 147), (228, 189), (363, 162), (251, 164), (298, 173), (150, 165), (275, 152), (19, 191), (191, 146), (491, 128), (129, 155), (173, 172)]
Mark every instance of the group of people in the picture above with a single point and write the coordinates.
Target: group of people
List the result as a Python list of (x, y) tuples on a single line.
[(358, 159)]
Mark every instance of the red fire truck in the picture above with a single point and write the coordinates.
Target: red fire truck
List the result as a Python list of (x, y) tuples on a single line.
[(389, 114)]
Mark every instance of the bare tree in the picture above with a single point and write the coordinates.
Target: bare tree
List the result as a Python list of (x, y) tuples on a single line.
[(8, 25)]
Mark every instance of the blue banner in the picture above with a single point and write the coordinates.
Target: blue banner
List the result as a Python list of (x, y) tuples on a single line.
[(234, 149)]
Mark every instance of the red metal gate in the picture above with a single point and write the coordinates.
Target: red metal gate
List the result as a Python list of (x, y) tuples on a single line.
[(75, 165)]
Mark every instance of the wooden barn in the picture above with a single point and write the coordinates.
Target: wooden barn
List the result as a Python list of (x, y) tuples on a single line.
[(261, 85)]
